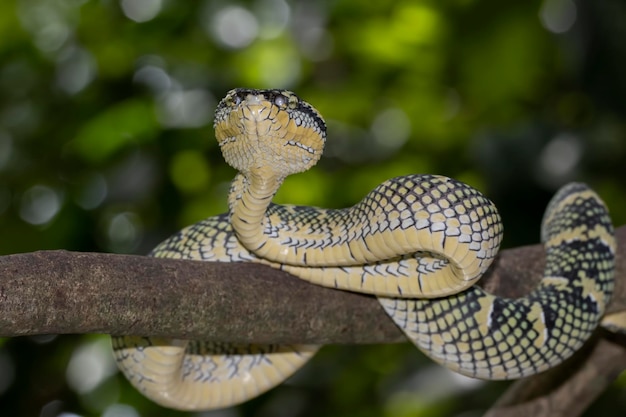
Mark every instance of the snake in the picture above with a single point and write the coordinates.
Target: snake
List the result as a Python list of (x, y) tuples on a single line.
[(419, 243)]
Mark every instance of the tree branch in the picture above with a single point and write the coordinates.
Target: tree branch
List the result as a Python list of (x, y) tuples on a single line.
[(67, 292)]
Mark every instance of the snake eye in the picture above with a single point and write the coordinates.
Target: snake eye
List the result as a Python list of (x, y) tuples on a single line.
[(280, 100), (235, 99), (232, 99)]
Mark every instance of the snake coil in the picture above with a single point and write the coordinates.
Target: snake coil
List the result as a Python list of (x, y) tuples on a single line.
[(418, 242)]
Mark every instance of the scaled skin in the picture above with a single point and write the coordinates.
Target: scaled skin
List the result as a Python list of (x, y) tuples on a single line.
[(410, 239)]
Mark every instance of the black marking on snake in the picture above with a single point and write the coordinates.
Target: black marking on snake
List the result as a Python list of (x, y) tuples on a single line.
[(244, 220), (366, 245), (443, 240), (350, 250), (419, 281), (261, 245), (300, 146), (399, 290), (241, 94)]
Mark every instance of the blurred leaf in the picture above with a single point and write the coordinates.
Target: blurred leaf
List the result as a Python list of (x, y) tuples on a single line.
[(518, 73), (129, 122), (189, 171)]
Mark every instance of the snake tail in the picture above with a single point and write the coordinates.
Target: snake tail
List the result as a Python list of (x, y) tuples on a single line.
[(484, 336)]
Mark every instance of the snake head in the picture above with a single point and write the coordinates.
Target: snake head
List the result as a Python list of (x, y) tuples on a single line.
[(269, 129)]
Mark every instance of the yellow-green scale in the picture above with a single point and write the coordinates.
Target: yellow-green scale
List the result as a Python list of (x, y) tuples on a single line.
[(483, 336)]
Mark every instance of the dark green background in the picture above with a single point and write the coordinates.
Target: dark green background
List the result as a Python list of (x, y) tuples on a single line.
[(106, 145)]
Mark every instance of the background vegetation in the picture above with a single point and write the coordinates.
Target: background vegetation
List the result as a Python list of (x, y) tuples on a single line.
[(106, 145)]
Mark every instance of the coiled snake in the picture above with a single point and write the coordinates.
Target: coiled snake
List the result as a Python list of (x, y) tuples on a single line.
[(418, 242)]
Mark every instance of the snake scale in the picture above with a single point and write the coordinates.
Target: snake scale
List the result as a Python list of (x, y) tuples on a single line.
[(418, 242)]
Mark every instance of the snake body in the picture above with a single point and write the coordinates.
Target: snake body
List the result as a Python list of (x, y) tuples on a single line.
[(418, 242)]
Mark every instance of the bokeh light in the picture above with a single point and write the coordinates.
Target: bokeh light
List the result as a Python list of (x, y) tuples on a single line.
[(90, 364), (558, 16), (191, 108), (391, 129), (559, 159), (123, 231), (39, 204), (233, 26), (75, 69), (120, 410), (141, 10)]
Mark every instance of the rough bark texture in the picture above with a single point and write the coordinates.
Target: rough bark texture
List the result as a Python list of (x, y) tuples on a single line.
[(67, 292)]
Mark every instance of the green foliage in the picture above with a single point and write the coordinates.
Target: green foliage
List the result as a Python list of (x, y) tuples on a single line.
[(123, 124), (106, 144)]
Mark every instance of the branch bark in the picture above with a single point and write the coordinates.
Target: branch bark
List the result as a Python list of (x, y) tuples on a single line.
[(58, 292)]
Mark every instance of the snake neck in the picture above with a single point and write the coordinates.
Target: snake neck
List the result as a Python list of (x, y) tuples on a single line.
[(277, 233), (396, 219), (250, 196)]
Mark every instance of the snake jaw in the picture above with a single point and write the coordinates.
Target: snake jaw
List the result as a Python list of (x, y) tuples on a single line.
[(269, 129)]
